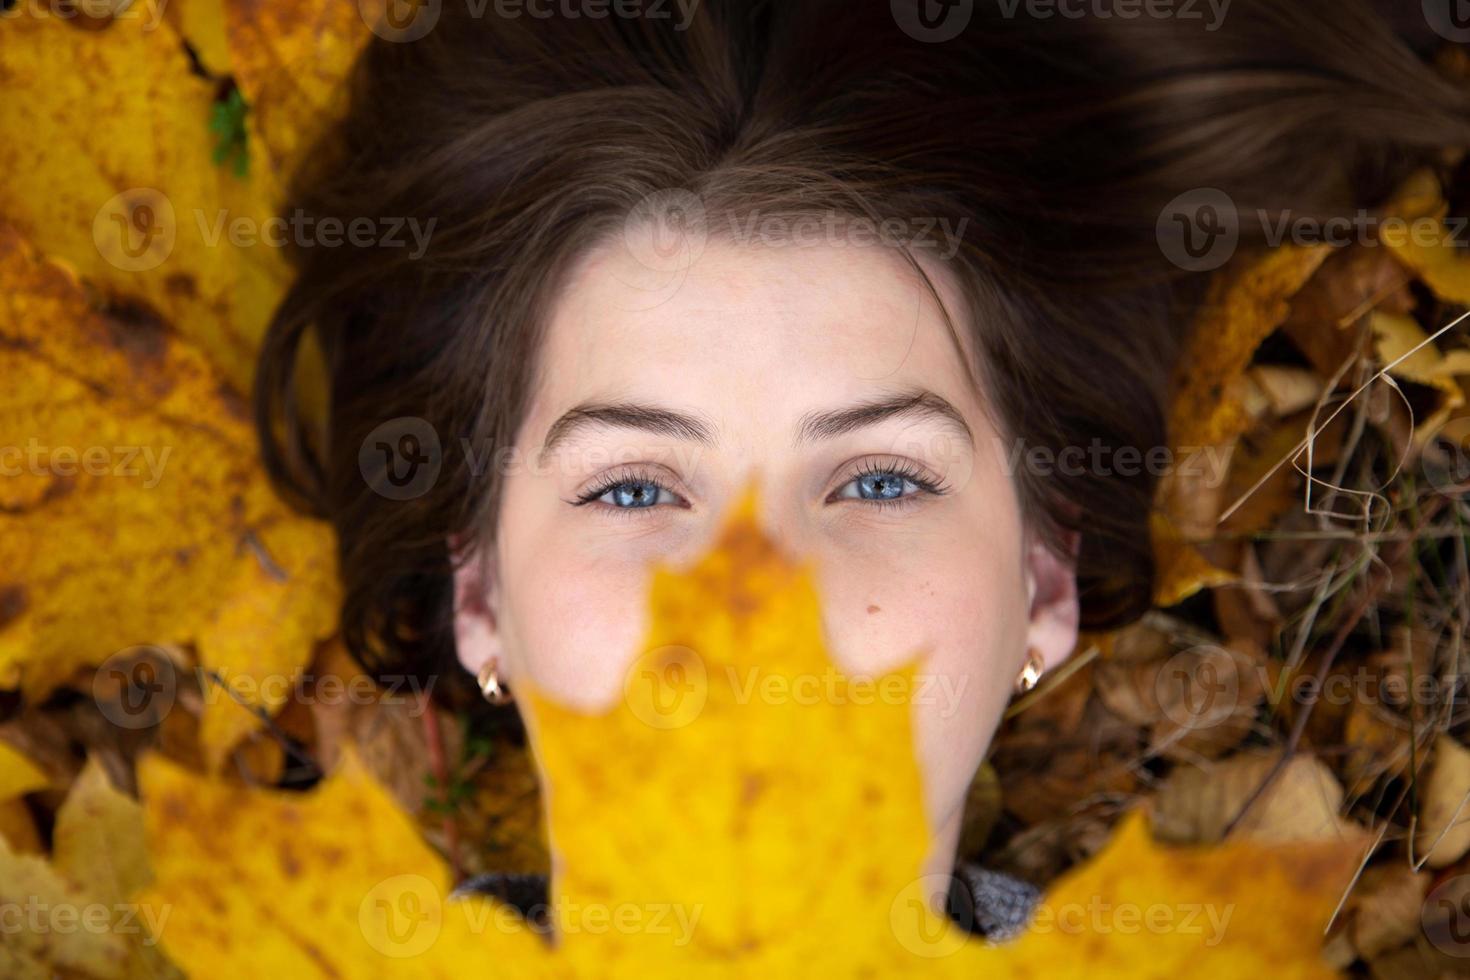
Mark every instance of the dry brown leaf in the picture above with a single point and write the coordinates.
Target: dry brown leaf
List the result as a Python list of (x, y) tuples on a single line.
[(1444, 821), (1377, 740), (1303, 804), (384, 727), (1386, 905), (1327, 315)]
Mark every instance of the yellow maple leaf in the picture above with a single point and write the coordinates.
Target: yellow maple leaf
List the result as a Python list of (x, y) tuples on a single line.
[(71, 916), (720, 820), (1423, 243), (1207, 410), (18, 776), (134, 509), (1399, 340), (31, 893), (332, 883), (290, 60), (98, 845), (125, 188)]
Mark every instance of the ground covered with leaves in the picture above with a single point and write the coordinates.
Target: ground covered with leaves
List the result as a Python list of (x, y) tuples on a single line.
[(195, 779)]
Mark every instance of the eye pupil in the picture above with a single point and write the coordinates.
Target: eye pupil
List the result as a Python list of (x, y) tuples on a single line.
[(635, 494), (880, 486)]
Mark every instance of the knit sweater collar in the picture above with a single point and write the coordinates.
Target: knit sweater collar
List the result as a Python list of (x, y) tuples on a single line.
[(990, 904)]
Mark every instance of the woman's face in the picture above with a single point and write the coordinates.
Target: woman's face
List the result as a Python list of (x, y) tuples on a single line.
[(827, 376)]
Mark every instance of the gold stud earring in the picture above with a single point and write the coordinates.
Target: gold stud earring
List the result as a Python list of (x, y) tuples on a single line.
[(1030, 672), (490, 686)]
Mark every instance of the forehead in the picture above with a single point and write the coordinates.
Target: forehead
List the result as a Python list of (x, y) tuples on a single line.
[(827, 321)]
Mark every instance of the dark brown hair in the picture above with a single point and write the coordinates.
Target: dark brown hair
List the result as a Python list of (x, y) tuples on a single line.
[(1060, 140)]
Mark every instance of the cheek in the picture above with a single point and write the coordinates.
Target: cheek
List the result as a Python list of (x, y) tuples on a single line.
[(956, 603), (952, 599), (573, 624)]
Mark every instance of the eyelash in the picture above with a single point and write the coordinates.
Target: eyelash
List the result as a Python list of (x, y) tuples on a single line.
[(615, 479), (902, 469)]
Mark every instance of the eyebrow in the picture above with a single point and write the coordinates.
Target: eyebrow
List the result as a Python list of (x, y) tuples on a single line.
[(627, 415), (912, 403)]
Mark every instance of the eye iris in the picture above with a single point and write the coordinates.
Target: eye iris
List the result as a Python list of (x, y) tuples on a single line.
[(880, 486), (635, 494)]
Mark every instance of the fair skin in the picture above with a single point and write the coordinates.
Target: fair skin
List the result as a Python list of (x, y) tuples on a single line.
[(749, 343)]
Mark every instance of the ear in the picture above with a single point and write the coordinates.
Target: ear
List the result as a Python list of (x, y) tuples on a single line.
[(1051, 580), (476, 599)]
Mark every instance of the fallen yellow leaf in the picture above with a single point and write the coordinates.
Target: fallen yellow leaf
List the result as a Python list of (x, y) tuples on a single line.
[(1435, 257), (1397, 337), (98, 846), (135, 509), (18, 776), (715, 822), (1208, 405), (36, 945), (290, 60), (332, 883), (132, 198)]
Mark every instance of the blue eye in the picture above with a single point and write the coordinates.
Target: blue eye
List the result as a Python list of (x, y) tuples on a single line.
[(882, 485), (879, 486), (888, 484), (635, 494), (625, 491)]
